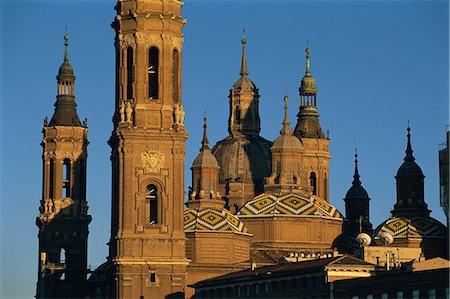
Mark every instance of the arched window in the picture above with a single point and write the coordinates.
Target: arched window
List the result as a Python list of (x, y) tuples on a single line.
[(313, 182), (175, 76), (151, 197), (153, 69), (129, 73), (66, 178), (62, 256)]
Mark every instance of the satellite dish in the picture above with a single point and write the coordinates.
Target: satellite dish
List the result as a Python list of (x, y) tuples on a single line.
[(386, 238), (363, 239)]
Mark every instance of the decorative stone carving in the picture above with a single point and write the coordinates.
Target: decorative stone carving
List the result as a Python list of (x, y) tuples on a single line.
[(122, 112), (152, 40), (178, 114), (128, 112), (128, 40), (152, 161)]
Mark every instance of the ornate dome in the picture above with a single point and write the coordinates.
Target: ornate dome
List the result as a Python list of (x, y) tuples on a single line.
[(308, 85), (415, 226), (212, 220), (244, 157), (289, 204)]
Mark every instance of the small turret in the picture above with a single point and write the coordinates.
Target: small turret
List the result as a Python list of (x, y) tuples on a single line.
[(357, 207), (286, 156), (410, 186), (308, 125), (205, 178)]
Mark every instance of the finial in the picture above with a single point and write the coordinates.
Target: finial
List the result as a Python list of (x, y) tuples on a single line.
[(409, 152), (286, 130), (356, 176), (66, 44), (244, 70), (308, 63), (205, 141)]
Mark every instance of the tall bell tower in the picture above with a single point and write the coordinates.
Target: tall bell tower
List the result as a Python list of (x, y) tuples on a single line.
[(63, 219), (147, 247)]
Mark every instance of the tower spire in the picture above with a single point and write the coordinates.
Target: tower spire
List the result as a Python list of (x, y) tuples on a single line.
[(356, 181), (244, 70), (308, 63), (409, 152), (66, 44), (205, 141), (286, 130)]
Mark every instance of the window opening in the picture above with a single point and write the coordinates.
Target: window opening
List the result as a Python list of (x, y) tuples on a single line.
[(151, 197), (175, 76), (153, 65), (129, 73), (66, 178)]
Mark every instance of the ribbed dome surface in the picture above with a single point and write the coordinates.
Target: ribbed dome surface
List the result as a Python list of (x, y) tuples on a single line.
[(205, 158), (287, 141), (244, 157), (65, 70), (308, 85)]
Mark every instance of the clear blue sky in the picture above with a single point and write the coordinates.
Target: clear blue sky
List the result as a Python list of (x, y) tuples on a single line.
[(376, 63)]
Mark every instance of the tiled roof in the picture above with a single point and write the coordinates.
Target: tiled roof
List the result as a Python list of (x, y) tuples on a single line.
[(212, 220), (288, 204), (415, 226)]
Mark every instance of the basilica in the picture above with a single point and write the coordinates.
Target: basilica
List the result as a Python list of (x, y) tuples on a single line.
[(251, 202)]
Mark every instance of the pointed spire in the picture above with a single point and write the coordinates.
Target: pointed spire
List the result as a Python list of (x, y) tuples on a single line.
[(244, 70), (409, 152), (205, 141), (356, 176), (66, 44), (286, 130)]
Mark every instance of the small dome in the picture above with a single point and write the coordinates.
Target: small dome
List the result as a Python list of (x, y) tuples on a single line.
[(415, 226), (65, 70), (356, 191), (205, 158), (244, 83), (212, 220), (288, 204), (409, 168), (308, 85), (287, 141)]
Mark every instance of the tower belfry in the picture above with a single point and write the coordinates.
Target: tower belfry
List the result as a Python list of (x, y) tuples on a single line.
[(63, 220), (147, 246)]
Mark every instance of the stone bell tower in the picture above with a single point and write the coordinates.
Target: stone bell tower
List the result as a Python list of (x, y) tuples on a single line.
[(63, 220), (147, 247)]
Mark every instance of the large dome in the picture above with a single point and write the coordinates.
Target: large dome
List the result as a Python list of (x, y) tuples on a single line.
[(289, 204), (245, 157)]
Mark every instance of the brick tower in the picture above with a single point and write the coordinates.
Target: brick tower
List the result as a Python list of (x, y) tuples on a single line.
[(63, 220), (147, 256)]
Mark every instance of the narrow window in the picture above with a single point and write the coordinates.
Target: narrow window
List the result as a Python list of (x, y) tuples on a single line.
[(152, 199), (52, 177), (153, 64), (312, 182), (238, 115), (62, 255), (66, 178), (325, 186), (82, 177), (415, 294), (175, 76), (432, 294), (129, 73), (152, 277)]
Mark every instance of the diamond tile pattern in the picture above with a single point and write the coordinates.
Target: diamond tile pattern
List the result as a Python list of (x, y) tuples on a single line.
[(288, 204), (212, 220)]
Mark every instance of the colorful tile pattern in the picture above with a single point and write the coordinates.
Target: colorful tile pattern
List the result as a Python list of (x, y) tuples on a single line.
[(212, 220), (415, 226), (288, 204)]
